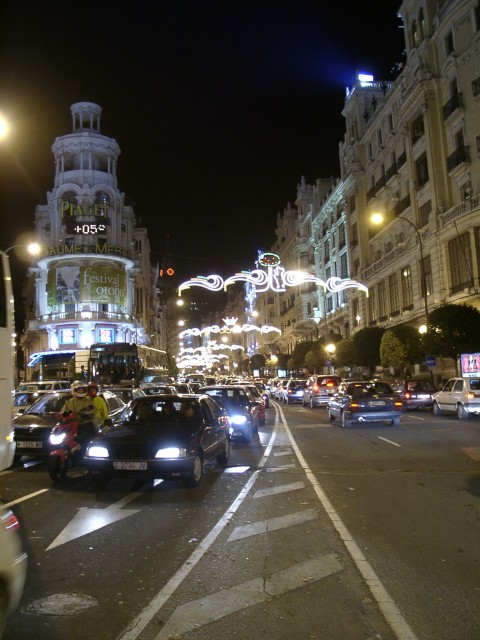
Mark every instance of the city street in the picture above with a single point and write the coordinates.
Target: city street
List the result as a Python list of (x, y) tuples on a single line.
[(312, 532)]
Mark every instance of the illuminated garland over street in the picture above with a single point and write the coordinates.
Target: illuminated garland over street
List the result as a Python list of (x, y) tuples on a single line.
[(230, 326), (275, 278)]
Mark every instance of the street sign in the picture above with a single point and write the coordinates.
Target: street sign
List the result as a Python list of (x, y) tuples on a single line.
[(430, 361)]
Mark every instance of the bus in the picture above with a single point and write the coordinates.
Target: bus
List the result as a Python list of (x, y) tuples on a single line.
[(121, 363), (7, 364)]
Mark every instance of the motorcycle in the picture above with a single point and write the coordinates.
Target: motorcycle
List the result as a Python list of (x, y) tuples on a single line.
[(68, 447)]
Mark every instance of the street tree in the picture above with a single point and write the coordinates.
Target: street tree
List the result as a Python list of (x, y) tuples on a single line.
[(366, 344), (297, 360), (344, 354), (315, 360), (393, 352), (453, 329)]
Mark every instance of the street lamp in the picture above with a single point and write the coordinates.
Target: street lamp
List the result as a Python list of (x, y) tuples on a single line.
[(378, 219), (33, 248), (4, 127)]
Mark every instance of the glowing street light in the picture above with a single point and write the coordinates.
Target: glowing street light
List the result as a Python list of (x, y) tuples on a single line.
[(4, 127), (33, 248)]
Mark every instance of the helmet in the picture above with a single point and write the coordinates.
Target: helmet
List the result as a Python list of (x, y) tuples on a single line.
[(92, 385), (79, 389)]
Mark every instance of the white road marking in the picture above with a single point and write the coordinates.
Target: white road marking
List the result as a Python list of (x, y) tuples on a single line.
[(473, 452), (272, 524), (134, 629), (395, 444), (88, 520), (200, 612), (285, 452), (284, 488), (383, 599), (282, 468), (30, 495)]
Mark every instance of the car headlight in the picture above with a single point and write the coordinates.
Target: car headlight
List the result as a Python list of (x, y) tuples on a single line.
[(238, 419), (95, 451), (171, 452), (57, 438)]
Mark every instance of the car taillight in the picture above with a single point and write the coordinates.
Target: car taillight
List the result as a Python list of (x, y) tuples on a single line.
[(408, 395), (398, 405), (354, 406), (471, 395), (315, 387), (330, 384), (10, 521), (289, 391)]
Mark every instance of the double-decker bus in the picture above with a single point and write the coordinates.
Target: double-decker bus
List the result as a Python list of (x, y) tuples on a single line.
[(126, 364), (7, 351)]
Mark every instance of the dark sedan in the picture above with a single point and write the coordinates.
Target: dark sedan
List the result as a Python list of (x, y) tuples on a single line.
[(32, 429), (365, 402), (165, 436), (241, 407)]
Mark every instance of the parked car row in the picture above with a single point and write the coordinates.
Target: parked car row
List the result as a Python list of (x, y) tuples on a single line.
[(458, 395)]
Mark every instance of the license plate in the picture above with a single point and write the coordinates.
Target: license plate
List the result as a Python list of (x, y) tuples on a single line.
[(30, 445), (130, 466), (377, 403)]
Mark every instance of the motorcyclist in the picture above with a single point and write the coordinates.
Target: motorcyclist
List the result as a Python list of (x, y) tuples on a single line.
[(101, 415), (82, 405)]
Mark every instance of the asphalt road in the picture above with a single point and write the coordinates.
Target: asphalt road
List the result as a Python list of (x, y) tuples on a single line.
[(313, 532)]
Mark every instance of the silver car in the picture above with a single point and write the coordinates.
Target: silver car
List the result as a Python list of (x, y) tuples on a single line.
[(460, 396), (13, 564)]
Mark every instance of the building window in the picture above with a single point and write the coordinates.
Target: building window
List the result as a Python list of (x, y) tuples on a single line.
[(394, 292), (422, 170), (418, 129), (390, 122), (426, 269), (372, 306), (449, 44), (407, 293), (425, 210), (343, 266), (382, 300), (460, 260)]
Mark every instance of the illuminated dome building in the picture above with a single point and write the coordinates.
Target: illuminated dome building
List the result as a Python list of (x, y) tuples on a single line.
[(93, 282)]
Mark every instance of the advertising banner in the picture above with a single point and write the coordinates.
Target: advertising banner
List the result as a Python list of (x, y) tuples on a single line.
[(470, 365), (97, 284)]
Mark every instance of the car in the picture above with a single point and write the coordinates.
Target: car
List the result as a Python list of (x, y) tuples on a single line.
[(277, 390), (32, 429), (265, 391), (23, 400), (258, 396), (13, 565), (44, 386), (241, 407), (319, 389), (153, 389), (293, 392), (365, 401), (415, 393), (460, 396), (182, 387), (155, 438), (126, 394)]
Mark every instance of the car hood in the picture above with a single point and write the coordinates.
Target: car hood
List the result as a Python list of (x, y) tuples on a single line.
[(45, 421), (125, 434)]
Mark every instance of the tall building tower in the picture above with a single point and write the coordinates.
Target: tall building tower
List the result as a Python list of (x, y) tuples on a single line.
[(93, 282)]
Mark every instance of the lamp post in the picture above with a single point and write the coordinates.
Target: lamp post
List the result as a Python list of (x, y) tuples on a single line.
[(33, 248), (378, 218)]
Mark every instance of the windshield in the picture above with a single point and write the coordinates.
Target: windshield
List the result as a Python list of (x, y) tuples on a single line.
[(48, 404)]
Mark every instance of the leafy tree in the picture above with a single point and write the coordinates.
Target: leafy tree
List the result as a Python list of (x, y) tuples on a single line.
[(366, 343), (393, 352), (344, 354), (453, 329), (315, 360), (257, 361), (297, 359), (411, 340)]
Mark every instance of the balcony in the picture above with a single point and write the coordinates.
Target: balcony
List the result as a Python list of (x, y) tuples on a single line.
[(81, 316), (452, 105), (460, 155), (391, 171)]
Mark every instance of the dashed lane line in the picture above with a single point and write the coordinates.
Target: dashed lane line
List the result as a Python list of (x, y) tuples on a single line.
[(208, 609), (272, 524), (395, 444), (273, 491)]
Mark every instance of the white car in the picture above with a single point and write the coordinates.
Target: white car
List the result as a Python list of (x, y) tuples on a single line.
[(460, 396), (13, 565)]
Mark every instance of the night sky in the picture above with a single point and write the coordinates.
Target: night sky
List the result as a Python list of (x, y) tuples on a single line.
[(219, 108)]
